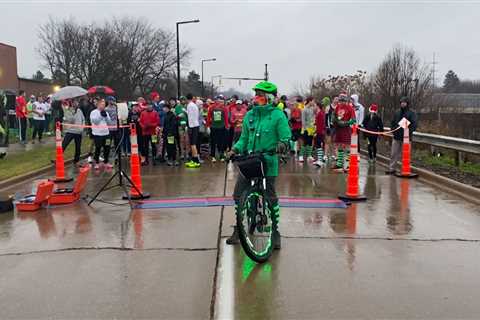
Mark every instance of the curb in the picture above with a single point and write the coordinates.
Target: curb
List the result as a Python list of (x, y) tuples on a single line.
[(462, 190), (27, 176)]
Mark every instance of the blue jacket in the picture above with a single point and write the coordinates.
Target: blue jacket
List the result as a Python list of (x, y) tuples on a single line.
[(161, 113)]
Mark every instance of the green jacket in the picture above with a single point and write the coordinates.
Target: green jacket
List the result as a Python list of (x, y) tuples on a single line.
[(181, 115), (263, 128)]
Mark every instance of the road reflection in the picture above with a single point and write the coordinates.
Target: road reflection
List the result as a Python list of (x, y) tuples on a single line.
[(398, 217)]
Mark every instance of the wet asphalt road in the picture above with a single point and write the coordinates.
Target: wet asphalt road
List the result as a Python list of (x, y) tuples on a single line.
[(410, 251)]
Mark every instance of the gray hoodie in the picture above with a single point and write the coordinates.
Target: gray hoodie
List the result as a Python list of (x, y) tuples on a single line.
[(72, 116)]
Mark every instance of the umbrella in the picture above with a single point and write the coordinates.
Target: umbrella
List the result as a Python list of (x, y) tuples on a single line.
[(101, 90), (69, 92)]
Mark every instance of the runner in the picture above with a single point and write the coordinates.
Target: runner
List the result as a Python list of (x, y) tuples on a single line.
[(149, 121), (217, 121), (296, 127), (265, 129), (170, 132), (359, 112), (372, 122), (237, 119), (231, 130), (21, 113), (193, 131), (320, 133), (344, 118), (182, 118), (329, 127), (308, 130), (39, 110)]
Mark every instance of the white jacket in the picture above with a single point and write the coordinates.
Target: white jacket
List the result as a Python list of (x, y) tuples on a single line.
[(359, 109), (97, 120)]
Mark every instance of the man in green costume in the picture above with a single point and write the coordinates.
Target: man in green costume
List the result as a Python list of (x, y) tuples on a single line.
[(265, 129)]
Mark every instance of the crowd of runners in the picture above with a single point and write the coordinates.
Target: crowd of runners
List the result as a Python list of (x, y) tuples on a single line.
[(192, 130)]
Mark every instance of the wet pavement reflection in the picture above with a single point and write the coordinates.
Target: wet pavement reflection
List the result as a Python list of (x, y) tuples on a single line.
[(392, 244)]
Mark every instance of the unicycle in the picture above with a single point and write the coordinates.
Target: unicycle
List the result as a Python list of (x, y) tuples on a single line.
[(254, 222)]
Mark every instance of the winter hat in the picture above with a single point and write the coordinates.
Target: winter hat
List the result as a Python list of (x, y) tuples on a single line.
[(373, 108), (239, 102), (404, 99), (153, 95), (325, 101)]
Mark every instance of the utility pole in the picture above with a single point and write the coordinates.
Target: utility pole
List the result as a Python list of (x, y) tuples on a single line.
[(434, 63), (266, 72)]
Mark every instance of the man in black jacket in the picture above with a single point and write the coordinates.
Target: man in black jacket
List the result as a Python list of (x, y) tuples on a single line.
[(397, 141)]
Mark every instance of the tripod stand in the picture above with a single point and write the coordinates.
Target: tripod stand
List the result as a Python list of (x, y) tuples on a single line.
[(121, 175)]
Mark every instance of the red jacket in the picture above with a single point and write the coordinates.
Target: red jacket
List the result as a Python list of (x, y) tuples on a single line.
[(343, 112), (320, 122), (21, 107), (237, 118), (149, 121), (216, 106), (231, 108), (296, 118)]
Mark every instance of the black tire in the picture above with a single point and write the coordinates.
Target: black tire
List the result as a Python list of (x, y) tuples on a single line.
[(243, 233)]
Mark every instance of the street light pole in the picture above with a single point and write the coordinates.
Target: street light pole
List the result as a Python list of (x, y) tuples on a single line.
[(203, 87), (178, 53)]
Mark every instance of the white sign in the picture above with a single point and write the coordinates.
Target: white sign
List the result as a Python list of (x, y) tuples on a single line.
[(404, 123)]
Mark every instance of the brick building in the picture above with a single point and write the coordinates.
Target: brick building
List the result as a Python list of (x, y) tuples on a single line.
[(9, 79)]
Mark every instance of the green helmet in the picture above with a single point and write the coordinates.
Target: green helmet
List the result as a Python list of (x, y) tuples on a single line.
[(266, 86), (325, 101)]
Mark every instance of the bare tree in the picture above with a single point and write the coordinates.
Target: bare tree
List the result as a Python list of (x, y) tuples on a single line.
[(127, 54), (57, 39), (332, 85), (95, 58), (402, 73), (145, 54)]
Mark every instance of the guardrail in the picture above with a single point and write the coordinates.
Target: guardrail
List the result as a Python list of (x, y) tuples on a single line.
[(459, 145)]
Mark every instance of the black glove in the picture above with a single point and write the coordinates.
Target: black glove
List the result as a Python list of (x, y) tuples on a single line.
[(103, 113), (281, 148)]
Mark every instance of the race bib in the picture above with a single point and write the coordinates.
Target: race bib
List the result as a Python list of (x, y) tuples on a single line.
[(170, 139), (217, 115)]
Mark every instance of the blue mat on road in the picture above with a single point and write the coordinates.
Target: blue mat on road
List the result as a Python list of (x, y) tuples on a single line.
[(285, 202)]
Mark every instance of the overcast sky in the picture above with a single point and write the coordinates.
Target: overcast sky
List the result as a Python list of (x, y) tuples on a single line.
[(297, 39)]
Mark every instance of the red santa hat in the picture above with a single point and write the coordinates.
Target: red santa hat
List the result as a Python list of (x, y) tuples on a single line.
[(373, 108), (153, 95)]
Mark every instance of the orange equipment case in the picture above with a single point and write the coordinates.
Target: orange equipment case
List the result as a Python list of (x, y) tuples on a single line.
[(70, 195), (34, 202)]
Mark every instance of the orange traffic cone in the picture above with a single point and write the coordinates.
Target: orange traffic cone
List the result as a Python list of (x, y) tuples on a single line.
[(136, 192), (406, 148), (353, 193), (59, 161)]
